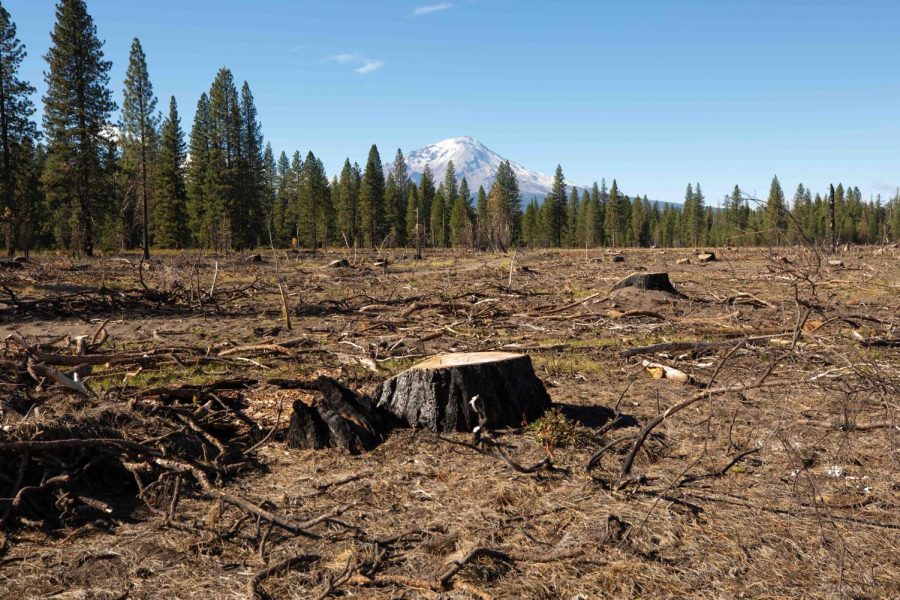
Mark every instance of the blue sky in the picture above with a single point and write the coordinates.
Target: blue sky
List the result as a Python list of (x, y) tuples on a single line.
[(654, 93)]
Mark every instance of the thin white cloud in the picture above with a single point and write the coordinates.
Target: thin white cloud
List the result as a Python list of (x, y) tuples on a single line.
[(365, 65), (431, 8), (369, 66), (341, 58), (297, 48)]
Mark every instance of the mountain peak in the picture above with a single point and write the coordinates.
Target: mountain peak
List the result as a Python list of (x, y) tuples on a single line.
[(476, 163)]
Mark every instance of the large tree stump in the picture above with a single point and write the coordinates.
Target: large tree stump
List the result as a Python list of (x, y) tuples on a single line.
[(339, 419), (436, 394), (658, 282)]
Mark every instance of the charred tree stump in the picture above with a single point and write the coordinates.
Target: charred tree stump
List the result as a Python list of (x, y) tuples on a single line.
[(339, 419), (658, 282), (438, 394)]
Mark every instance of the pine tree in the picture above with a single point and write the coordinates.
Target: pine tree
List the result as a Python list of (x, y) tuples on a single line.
[(371, 200), (504, 206), (250, 213), (573, 209), (293, 211), (347, 205), (638, 223), (269, 194), (482, 219), (171, 191), (77, 106), (775, 219), (615, 223), (585, 235), (139, 123), (199, 174), (28, 194), (439, 219), (461, 231), (311, 230), (17, 130), (397, 199), (531, 224), (413, 215), (226, 162), (426, 198), (556, 213)]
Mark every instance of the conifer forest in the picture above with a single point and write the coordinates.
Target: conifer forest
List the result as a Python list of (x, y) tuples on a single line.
[(230, 372)]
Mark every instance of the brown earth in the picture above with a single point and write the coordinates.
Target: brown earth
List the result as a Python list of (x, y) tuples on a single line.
[(776, 476)]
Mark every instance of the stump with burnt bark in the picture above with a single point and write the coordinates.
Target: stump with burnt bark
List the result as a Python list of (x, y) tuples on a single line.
[(658, 282), (438, 394), (339, 418)]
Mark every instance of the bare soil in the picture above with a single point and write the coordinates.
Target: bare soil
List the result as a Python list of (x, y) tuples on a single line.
[(773, 475)]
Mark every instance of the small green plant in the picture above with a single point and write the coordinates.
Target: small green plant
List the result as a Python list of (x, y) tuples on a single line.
[(556, 430)]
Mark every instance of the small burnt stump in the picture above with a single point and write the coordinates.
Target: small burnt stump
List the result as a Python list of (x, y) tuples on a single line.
[(658, 282), (340, 418), (436, 394)]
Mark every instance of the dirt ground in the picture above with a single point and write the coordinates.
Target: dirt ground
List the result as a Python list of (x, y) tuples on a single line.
[(773, 473)]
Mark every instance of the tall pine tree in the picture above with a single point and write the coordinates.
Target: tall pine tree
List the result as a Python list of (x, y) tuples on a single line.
[(171, 190), (16, 130), (77, 106), (371, 200), (138, 134)]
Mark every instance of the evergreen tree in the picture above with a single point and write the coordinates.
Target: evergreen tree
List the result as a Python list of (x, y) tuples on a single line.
[(451, 188), (638, 223), (775, 220), (17, 134), (77, 106), (28, 194), (269, 194), (556, 213), (199, 174), (504, 206), (226, 161), (426, 197), (371, 200), (615, 225), (347, 204), (171, 191), (439, 219), (312, 197), (250, 214), (138, 137), (482, 219), (414, 228), (293, 214), (461, 231), (573, 209), (586, 232), (599, 215), (279, 212), (396, 199), (531, 224)]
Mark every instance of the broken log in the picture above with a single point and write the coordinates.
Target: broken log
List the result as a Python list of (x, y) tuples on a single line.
[(658, 282), (340, 418), (706, 257), (438, 394)]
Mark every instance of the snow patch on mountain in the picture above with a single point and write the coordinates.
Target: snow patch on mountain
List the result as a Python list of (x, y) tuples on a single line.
[(477, 163)]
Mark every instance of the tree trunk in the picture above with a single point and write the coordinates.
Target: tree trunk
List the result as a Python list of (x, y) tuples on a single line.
[(437, 394)]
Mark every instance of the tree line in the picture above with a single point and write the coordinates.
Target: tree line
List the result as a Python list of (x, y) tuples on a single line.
[(85, 181)]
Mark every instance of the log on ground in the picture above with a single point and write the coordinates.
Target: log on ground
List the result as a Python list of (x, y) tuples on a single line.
[(437, 394)]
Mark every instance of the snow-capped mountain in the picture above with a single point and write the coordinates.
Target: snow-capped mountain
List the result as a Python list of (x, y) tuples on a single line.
[(477, 163)]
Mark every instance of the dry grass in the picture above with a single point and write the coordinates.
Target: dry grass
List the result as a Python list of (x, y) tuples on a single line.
[(810, 512)]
